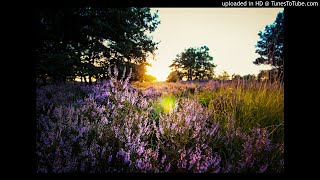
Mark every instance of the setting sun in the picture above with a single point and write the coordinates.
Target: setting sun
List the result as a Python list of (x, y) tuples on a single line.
[(231, 35), (116, 93), (159, 70)]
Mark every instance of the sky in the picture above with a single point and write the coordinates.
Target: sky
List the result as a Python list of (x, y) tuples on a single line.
[(230, 33)]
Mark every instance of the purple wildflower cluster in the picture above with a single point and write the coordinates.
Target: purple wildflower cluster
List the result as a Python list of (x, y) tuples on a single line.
[(112, 129), (156, 91)]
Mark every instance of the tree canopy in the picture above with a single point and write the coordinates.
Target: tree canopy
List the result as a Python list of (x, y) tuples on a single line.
[(173, 76), (194, 63), (270, 47), (149, 78), (86, 41), (224, 76)]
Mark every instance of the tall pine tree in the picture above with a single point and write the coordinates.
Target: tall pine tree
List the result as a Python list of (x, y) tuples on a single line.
[(270, 47)]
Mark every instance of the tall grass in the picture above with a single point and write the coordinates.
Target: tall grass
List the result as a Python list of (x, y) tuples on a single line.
[(161, 127), (252, 104)]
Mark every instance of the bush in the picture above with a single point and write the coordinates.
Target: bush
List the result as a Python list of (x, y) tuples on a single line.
[(113, 127)]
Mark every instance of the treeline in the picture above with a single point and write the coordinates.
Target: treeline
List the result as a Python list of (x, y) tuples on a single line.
[(272, 75), (195, 63), (84, 42)]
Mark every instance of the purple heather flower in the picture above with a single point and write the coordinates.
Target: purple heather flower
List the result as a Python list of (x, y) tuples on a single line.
[(168, 167), (139, 164), (82, 130), (161, 129), (263, 168), (163, 159), (140, 150), (105, 120), (127, 157), (109, 158), (188, 119)]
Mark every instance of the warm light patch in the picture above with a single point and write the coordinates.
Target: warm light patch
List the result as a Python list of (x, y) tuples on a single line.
[(230, 33), (167, 104), (78, 79), (159, 70)]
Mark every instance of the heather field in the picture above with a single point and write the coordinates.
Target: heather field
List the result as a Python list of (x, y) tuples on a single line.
[(202, 127)]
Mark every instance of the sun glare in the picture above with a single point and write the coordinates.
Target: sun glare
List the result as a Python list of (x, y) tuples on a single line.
[(159, 70), (231, 35), (167, 104)]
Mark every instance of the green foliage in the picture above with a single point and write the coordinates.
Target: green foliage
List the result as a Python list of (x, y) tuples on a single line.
[(149, 78), (138, 72), (270, 75), (270, 47), (240, 124), (224, 76), (86, 41), (205, 98), (173, 76), (194, 63), (253, 105), (249, 77), (236, 77)]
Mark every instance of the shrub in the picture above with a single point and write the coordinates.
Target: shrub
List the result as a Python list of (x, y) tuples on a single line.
[(114, 127)]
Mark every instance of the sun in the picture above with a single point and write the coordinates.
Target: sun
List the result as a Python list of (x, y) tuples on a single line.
[(159, 71)]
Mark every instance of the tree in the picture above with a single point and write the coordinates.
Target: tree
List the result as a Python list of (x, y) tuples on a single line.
[(173, 76), (194, 63), (149, 78), (86, 41), (236, 77), (270, 47), (271, 75), (224, 76), (263, 75), (138, 72), (249, 77)]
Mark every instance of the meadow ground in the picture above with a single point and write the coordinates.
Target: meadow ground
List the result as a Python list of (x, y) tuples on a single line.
[(115, 126)]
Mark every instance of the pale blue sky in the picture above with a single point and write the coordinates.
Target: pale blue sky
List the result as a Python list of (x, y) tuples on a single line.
[(230, 33)]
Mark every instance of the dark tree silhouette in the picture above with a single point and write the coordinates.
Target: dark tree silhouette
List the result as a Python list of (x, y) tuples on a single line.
[(249, 77), (270, 47), (271, 75), (263, 75), (194, 63), (86, 41), (236, 77)]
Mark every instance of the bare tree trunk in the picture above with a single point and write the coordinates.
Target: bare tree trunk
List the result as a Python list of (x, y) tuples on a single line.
[(90, 81), (189, 74), (85, 80), (97, 78), (103, 77), (44, 80)]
